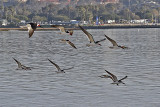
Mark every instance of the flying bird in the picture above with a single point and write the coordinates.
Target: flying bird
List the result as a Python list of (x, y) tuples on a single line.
[(32, 27), (115, 45), (90, 37), (69, 42), (114, 78), (63, 30), (21, 67), (58, 68)]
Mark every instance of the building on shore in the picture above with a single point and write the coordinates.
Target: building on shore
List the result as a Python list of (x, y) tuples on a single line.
[(140, 21), (3, 22)]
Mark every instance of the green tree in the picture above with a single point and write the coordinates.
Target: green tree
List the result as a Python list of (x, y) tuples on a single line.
[(12, 12), (6, 12), (61, 18), (39, 19)]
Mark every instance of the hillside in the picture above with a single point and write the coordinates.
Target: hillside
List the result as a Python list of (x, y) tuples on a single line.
[(47, 12)]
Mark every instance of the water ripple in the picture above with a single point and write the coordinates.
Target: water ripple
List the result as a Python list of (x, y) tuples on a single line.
[(80, 86)]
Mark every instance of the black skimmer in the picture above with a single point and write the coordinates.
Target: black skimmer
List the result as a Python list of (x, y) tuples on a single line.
[(69, 42), (32, 27), (114, 78), (63, 30), (90, 37), (21, 67), (58, 68), (115, 45)]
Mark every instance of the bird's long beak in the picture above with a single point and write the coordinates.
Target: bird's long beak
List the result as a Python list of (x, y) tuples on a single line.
[(99, 44), (39, 25)]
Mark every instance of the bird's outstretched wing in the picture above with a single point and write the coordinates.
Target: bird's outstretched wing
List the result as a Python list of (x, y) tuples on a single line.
[(105, 76), (114, 78), (55, 65), (31, 28), (68, 68), (70, 43), (123, 78), (31, 31), (59, 27), (100, 40), (90, 37), (112, 41), (19, 64)]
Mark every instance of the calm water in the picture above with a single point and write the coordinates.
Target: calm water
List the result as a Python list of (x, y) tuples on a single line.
[(80, 86)]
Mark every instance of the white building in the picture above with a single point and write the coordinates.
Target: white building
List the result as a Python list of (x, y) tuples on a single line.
[(140, 21), (4, 22), (110, 21)]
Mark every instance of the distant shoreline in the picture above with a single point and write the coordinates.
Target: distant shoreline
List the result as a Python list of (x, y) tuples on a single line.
[(119, 26), (106, 26), (38, 29)]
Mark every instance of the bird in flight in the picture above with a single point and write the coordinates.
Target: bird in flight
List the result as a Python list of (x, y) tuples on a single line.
[(32, 27), (90, 38), (114, 78), (69, 42), (115, 45), (63, 30), (21, 67), (58, 68)]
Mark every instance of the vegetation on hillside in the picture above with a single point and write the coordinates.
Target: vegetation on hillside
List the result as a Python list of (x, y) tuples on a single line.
[(46, 12)]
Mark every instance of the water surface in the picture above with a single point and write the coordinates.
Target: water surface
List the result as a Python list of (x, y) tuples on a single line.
[(80, 86)]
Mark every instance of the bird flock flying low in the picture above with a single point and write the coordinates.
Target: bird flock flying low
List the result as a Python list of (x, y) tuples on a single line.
[(32, 27)]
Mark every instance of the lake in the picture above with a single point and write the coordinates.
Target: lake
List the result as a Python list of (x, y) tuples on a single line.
[(80, 86)]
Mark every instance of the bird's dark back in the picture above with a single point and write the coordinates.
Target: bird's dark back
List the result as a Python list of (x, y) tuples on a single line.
[(33, 25)]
